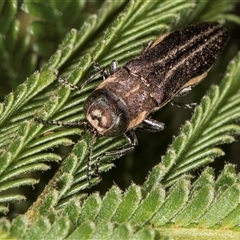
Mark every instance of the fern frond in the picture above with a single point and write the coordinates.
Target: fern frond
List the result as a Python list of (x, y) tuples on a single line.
[(206, 207)]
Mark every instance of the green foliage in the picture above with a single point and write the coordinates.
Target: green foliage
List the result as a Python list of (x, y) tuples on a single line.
[(170, 203)]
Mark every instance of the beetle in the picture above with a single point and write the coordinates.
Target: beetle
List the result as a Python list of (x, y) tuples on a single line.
[(168, 68)]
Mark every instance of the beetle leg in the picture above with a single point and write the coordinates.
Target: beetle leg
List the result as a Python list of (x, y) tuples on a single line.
[(98, 71), (133, 142), (184, 105), (113, 67), (149, 44), (151, 125), (106, 72), (182, 93), (82, 85), (131, 136)]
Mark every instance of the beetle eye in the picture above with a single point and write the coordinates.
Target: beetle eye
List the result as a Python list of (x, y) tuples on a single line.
[(106, 113)]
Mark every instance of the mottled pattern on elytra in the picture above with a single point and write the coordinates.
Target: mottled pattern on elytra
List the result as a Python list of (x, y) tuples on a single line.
[(182, 55)]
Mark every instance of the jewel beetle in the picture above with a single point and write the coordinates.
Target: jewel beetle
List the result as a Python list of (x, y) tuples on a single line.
[(167, 68)]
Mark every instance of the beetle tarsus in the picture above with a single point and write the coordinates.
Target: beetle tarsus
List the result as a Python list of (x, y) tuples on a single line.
[(184, 105), (152, 125), (65, 82)]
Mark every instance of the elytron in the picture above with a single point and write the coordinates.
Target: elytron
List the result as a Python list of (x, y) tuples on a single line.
[(168, 68)]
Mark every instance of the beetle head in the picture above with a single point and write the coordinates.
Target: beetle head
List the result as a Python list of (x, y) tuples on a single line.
[(106, 113)]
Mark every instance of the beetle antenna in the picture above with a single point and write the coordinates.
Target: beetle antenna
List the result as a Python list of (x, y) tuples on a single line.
[(61, 123), (98, 71), (90, 156)]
